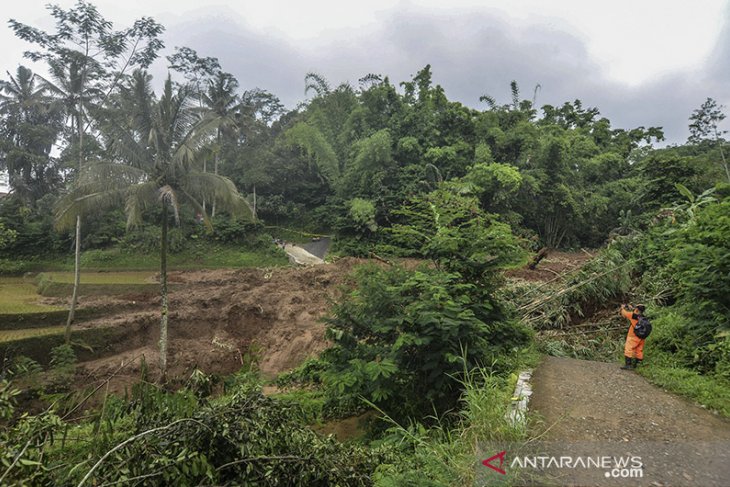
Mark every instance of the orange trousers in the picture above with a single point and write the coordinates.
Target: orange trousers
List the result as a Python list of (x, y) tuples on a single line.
[(634, 347)]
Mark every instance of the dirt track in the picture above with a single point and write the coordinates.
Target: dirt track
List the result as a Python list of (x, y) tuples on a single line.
[(218, 316), (598, 403)]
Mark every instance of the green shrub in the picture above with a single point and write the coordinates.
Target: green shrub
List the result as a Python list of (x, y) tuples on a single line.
[(62, 357), (246, 437), (403, 338), (701, 263), (12, 267), (97, 257), (687, 260), (450, 229), (7, 236), (22, 366), (146, 240), (229, 231), (308, 373)]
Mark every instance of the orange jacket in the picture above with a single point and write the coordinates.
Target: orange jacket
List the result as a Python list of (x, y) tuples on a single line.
[(633, 319)]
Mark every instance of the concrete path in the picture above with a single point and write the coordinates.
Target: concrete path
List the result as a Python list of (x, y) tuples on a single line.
[(318, 247), (299, 256), (598, 408)]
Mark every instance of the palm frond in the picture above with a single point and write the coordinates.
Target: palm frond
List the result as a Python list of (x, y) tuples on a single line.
[(197, 206), (204, 186), (98, 187), (194, 140), (167, 196), (80, 203), (139, 197), (317, 83), (101, 176)]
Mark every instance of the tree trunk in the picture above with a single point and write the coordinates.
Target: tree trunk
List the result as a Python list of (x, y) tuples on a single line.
[(77, 279), (215, 171), (254, 202), (724, 164), (163, 292), (205, 169), (536, 260), (77, 251), (215, 165)]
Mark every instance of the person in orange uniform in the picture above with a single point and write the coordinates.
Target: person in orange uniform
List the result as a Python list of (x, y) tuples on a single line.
[(634, 348)]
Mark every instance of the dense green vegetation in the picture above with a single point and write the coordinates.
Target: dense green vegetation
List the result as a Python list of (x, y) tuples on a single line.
[(204, 173)]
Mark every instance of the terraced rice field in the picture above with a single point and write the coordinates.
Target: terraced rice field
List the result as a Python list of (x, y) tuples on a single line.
[(142, 277), (12, 335), (18, 296)]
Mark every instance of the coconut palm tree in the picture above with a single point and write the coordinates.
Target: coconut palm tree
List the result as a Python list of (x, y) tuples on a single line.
[(69, 85), (30, 126), (154, 146), (222, 101)]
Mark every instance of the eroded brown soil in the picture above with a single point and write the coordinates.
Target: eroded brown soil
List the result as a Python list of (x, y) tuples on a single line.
[(219, 317), (552, 266), (216, 318)]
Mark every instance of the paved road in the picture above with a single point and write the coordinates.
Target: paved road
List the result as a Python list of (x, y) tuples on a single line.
[(300, 256), (597, 408), (318, 247)]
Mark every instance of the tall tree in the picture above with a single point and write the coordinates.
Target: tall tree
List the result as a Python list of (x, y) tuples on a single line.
[(222, 101), (97, 58), (154, 163), (30, 125), (704, 125), (252, 153)]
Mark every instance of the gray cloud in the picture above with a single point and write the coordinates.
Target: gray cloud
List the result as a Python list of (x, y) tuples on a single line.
[(471, 53)]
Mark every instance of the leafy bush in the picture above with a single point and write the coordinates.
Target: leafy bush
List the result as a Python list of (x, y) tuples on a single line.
[(685, 263), (247, 438), (701, 263), (12, 267), (32, 227), (22, 366), (146, 240), (227, 230), (7, 236), (244, 438), (403, 338), (308, 373), (96, 257), (450, 229), (362, 213), (63, 357)]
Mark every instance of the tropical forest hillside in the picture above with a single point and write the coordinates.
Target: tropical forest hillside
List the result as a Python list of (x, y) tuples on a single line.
[(151, 332)]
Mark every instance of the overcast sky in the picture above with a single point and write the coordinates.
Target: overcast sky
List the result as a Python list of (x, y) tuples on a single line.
[(641, 62)]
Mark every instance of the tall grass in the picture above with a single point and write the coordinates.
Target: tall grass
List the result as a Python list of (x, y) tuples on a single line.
[(450, 453)]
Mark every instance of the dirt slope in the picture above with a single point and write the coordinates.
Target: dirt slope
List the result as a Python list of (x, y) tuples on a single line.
[(217, 316), (680, 443), (556, 263)]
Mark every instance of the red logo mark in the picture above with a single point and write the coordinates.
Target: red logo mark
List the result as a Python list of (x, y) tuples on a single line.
[(488, 462)]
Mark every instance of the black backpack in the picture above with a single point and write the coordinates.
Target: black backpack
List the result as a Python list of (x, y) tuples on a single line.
[(642, 329)]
